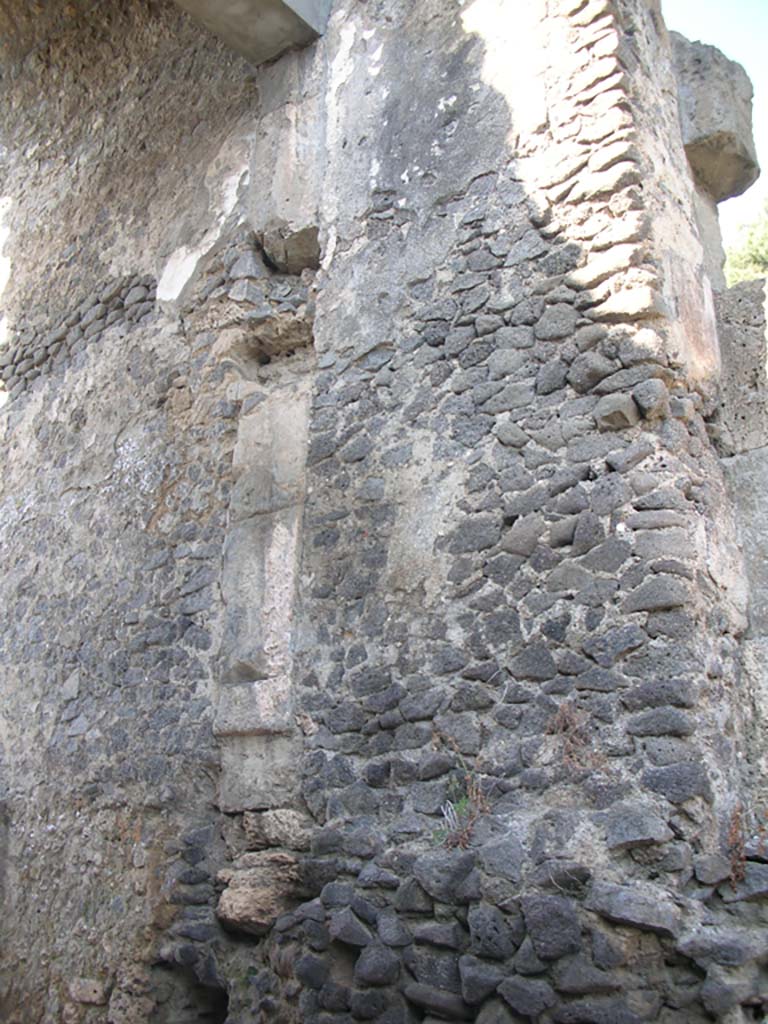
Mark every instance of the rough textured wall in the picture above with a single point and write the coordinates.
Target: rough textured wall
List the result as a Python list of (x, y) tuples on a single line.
[(740, 434), (372, 636), (115, 483), (123, 135)]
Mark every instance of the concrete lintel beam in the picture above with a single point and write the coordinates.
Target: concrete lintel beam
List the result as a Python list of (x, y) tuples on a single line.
[(261, 29)]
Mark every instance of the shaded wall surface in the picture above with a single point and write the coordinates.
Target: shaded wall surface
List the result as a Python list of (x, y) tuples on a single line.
[(372, 606)]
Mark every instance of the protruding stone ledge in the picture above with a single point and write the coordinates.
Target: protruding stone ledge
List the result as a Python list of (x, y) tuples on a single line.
[(715, 97), (261, 29)]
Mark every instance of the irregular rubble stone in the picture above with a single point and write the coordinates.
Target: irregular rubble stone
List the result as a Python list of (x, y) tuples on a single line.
[(258, 892), (579, 977), (679, 782), (628, 825), (346, 927), (491, 935), (444, 1004), (644, 908), (527, 996), (616, 412), (377, 965), (753, 886), (282, 827), (478, 979), (442, 872), (553, 926)]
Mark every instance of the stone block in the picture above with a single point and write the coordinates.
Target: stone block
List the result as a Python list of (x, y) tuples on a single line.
[(260, 888), (742, 419), (258, 772), (643, 907), (715, 99), (281, 827), (261, 29), (527, 996), (553, 927), (616, 412), (747, 477)]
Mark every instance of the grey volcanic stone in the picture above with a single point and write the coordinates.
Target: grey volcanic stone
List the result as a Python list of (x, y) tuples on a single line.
[(392, 931), (646, 908), (136, 295), (502, 858), (725, 945), (711, 868), (589, 532), (609, 647), (616, 412), (528, 997), (523, 536), (526, 962), (435, 967), (444, 1004), (754, 885), (659, 692), (551, 377), (365, 1004), (679, 782), (311, 971), (496, 1012), (346, 927), (558, 321), (511, 435), (478, 978), (628, 825), (446, 935), (491, 935), (411, 898), (553, 926), (534, 662), (579, 977), (476, 533), (377, 965), (627, 459), (597, 1011), (657, 594), (652, 398), (661, 722), (589, 369), (441, 872)]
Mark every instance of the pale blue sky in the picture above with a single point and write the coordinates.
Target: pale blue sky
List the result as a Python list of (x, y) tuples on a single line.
[(740, 29)]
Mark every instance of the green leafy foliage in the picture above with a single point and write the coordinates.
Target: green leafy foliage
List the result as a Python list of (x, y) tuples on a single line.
[(748, 259)]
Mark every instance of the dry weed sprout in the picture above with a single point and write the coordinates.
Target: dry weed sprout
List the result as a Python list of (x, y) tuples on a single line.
[(468, 802), (571, 727), (735, 842)]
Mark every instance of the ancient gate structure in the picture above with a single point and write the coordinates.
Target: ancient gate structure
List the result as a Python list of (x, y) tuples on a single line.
[(383, 621)]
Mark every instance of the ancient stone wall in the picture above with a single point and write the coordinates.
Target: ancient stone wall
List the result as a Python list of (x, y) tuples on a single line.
[(373, 607)]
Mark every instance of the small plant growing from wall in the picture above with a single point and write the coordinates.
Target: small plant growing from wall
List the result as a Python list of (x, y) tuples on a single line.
[(735, 843), (466, 804), (570, 726)]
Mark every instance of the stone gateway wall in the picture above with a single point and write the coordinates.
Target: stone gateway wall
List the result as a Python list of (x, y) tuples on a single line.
[(376, 640)]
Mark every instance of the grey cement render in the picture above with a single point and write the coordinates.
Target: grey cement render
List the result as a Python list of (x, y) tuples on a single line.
[(374, 627)]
